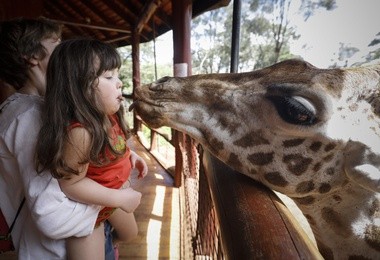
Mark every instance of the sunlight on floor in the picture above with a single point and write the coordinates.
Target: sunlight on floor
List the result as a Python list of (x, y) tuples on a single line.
[(157, 216), (153, 239), (154, 226), (175, 226)]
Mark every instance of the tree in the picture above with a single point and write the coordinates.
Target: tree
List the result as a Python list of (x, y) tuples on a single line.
[(265, 35), (271, 22), (147, 63), (374, 54), (211, 41), (309, 6)]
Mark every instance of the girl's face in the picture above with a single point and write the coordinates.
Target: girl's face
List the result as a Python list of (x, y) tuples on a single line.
[(109, 91)]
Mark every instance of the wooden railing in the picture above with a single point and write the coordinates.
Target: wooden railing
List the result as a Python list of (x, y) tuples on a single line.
[(254, 222)]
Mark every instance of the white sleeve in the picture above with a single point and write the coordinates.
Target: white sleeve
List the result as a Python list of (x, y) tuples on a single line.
[(56, 216)]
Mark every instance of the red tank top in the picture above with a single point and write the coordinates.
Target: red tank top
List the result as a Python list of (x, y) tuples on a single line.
[(116, 172)]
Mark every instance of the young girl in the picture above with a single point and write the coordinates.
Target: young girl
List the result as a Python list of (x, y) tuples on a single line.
[(83, 139)]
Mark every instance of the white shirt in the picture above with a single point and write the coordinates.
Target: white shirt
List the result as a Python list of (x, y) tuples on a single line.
[(47, 216)]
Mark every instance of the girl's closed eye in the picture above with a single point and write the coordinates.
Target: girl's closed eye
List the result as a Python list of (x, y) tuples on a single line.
[(111, 75)]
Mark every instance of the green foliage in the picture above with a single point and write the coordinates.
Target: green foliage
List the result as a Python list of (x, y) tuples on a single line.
[(147, 66), (309, 6), (264, 36)]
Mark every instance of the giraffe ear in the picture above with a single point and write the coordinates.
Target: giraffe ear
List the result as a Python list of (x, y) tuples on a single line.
[(362, 165)]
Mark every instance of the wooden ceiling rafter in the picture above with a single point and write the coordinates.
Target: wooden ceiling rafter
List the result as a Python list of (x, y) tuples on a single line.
[(56, 12), (118, 39), (125, 13), (90, 16), (61, 16), (149, 9), (103, 27), (162, 17), (106, 19)]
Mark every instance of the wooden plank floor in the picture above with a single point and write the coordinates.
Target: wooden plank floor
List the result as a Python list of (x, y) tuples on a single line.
[(157, 216)]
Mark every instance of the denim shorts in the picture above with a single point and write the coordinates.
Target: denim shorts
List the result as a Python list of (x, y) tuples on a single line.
[(109, 249)]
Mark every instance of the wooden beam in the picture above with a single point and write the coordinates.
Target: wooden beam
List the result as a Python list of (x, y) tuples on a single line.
[(254, 222), (148, 11), (54, 11), (117, 39), (96, 26)]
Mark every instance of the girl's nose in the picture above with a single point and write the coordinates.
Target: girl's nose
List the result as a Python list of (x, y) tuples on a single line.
[(119, 83)]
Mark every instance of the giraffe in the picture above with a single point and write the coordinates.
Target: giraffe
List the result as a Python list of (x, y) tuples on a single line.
[(312, 134)]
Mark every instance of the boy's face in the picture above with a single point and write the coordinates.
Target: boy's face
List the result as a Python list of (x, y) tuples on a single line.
[(49, 44)]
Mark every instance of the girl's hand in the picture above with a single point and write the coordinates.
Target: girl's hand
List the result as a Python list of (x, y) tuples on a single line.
[(130, 199), (139, 163)]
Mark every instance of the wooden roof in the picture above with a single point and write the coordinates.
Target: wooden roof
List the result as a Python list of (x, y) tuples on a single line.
[(107, 20)]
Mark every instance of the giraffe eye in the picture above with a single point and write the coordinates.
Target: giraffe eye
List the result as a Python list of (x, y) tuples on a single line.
[(294, 110)]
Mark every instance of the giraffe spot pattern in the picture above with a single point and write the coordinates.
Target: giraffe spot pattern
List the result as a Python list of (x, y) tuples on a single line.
[(329, 147), (372, 236), (293, 142), (226, 123), (305, 187), (296, 163), (310, 219), (324, 188), (261, 158), (252, 171), (330, 171), (331, 217), (276, 178), (317, 167), (251, 139), (337, 198), (216, 145), (305, 200), (328, 158), (233, 160), (315, 146)]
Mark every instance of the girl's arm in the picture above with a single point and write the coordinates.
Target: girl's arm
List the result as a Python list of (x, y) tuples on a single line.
[(82, 189)]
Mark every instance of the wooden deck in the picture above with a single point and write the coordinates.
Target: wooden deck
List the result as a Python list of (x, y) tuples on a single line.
[(158, 215)]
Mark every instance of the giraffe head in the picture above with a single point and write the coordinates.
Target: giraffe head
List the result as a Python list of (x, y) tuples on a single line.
[(312, 134)]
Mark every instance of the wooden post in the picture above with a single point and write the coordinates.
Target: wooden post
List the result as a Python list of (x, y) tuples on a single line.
[(182, 14), (136, 73)]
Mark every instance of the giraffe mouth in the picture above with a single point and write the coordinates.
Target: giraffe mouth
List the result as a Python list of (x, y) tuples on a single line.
[(149, 112), (148, 106)]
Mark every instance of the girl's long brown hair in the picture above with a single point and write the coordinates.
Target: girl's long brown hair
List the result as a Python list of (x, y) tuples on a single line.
[(72, 75)]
